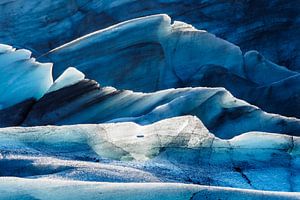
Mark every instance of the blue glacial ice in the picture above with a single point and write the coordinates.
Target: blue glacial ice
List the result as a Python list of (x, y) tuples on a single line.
[(87, 102), (159, 60), (22, 77), (271, 27), (199, 103), (44, 189), (156, 43), (178, 150)]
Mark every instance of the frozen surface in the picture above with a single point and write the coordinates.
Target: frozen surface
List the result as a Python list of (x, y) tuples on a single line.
[(279, 97), (271, 27), (261, 71), (159, 46), (21, 77), (224, 115), (173, 150), (135, 136), (152, 53), (27, 189)]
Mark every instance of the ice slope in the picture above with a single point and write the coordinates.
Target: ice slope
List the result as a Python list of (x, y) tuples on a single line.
[(173, 150), (22, 82), (150, 47), (27, 189), (71, 99), (269, 97), (256, 24), (168, 55), (150, 154), (87, 102), (260, 70), (22, 78)]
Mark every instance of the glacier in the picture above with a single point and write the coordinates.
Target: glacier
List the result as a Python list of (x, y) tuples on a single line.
[(44, 25), (160, 99), (163, 61), (87, 102), (128, 42), (173, 150), (22, 78), (58, 190)]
